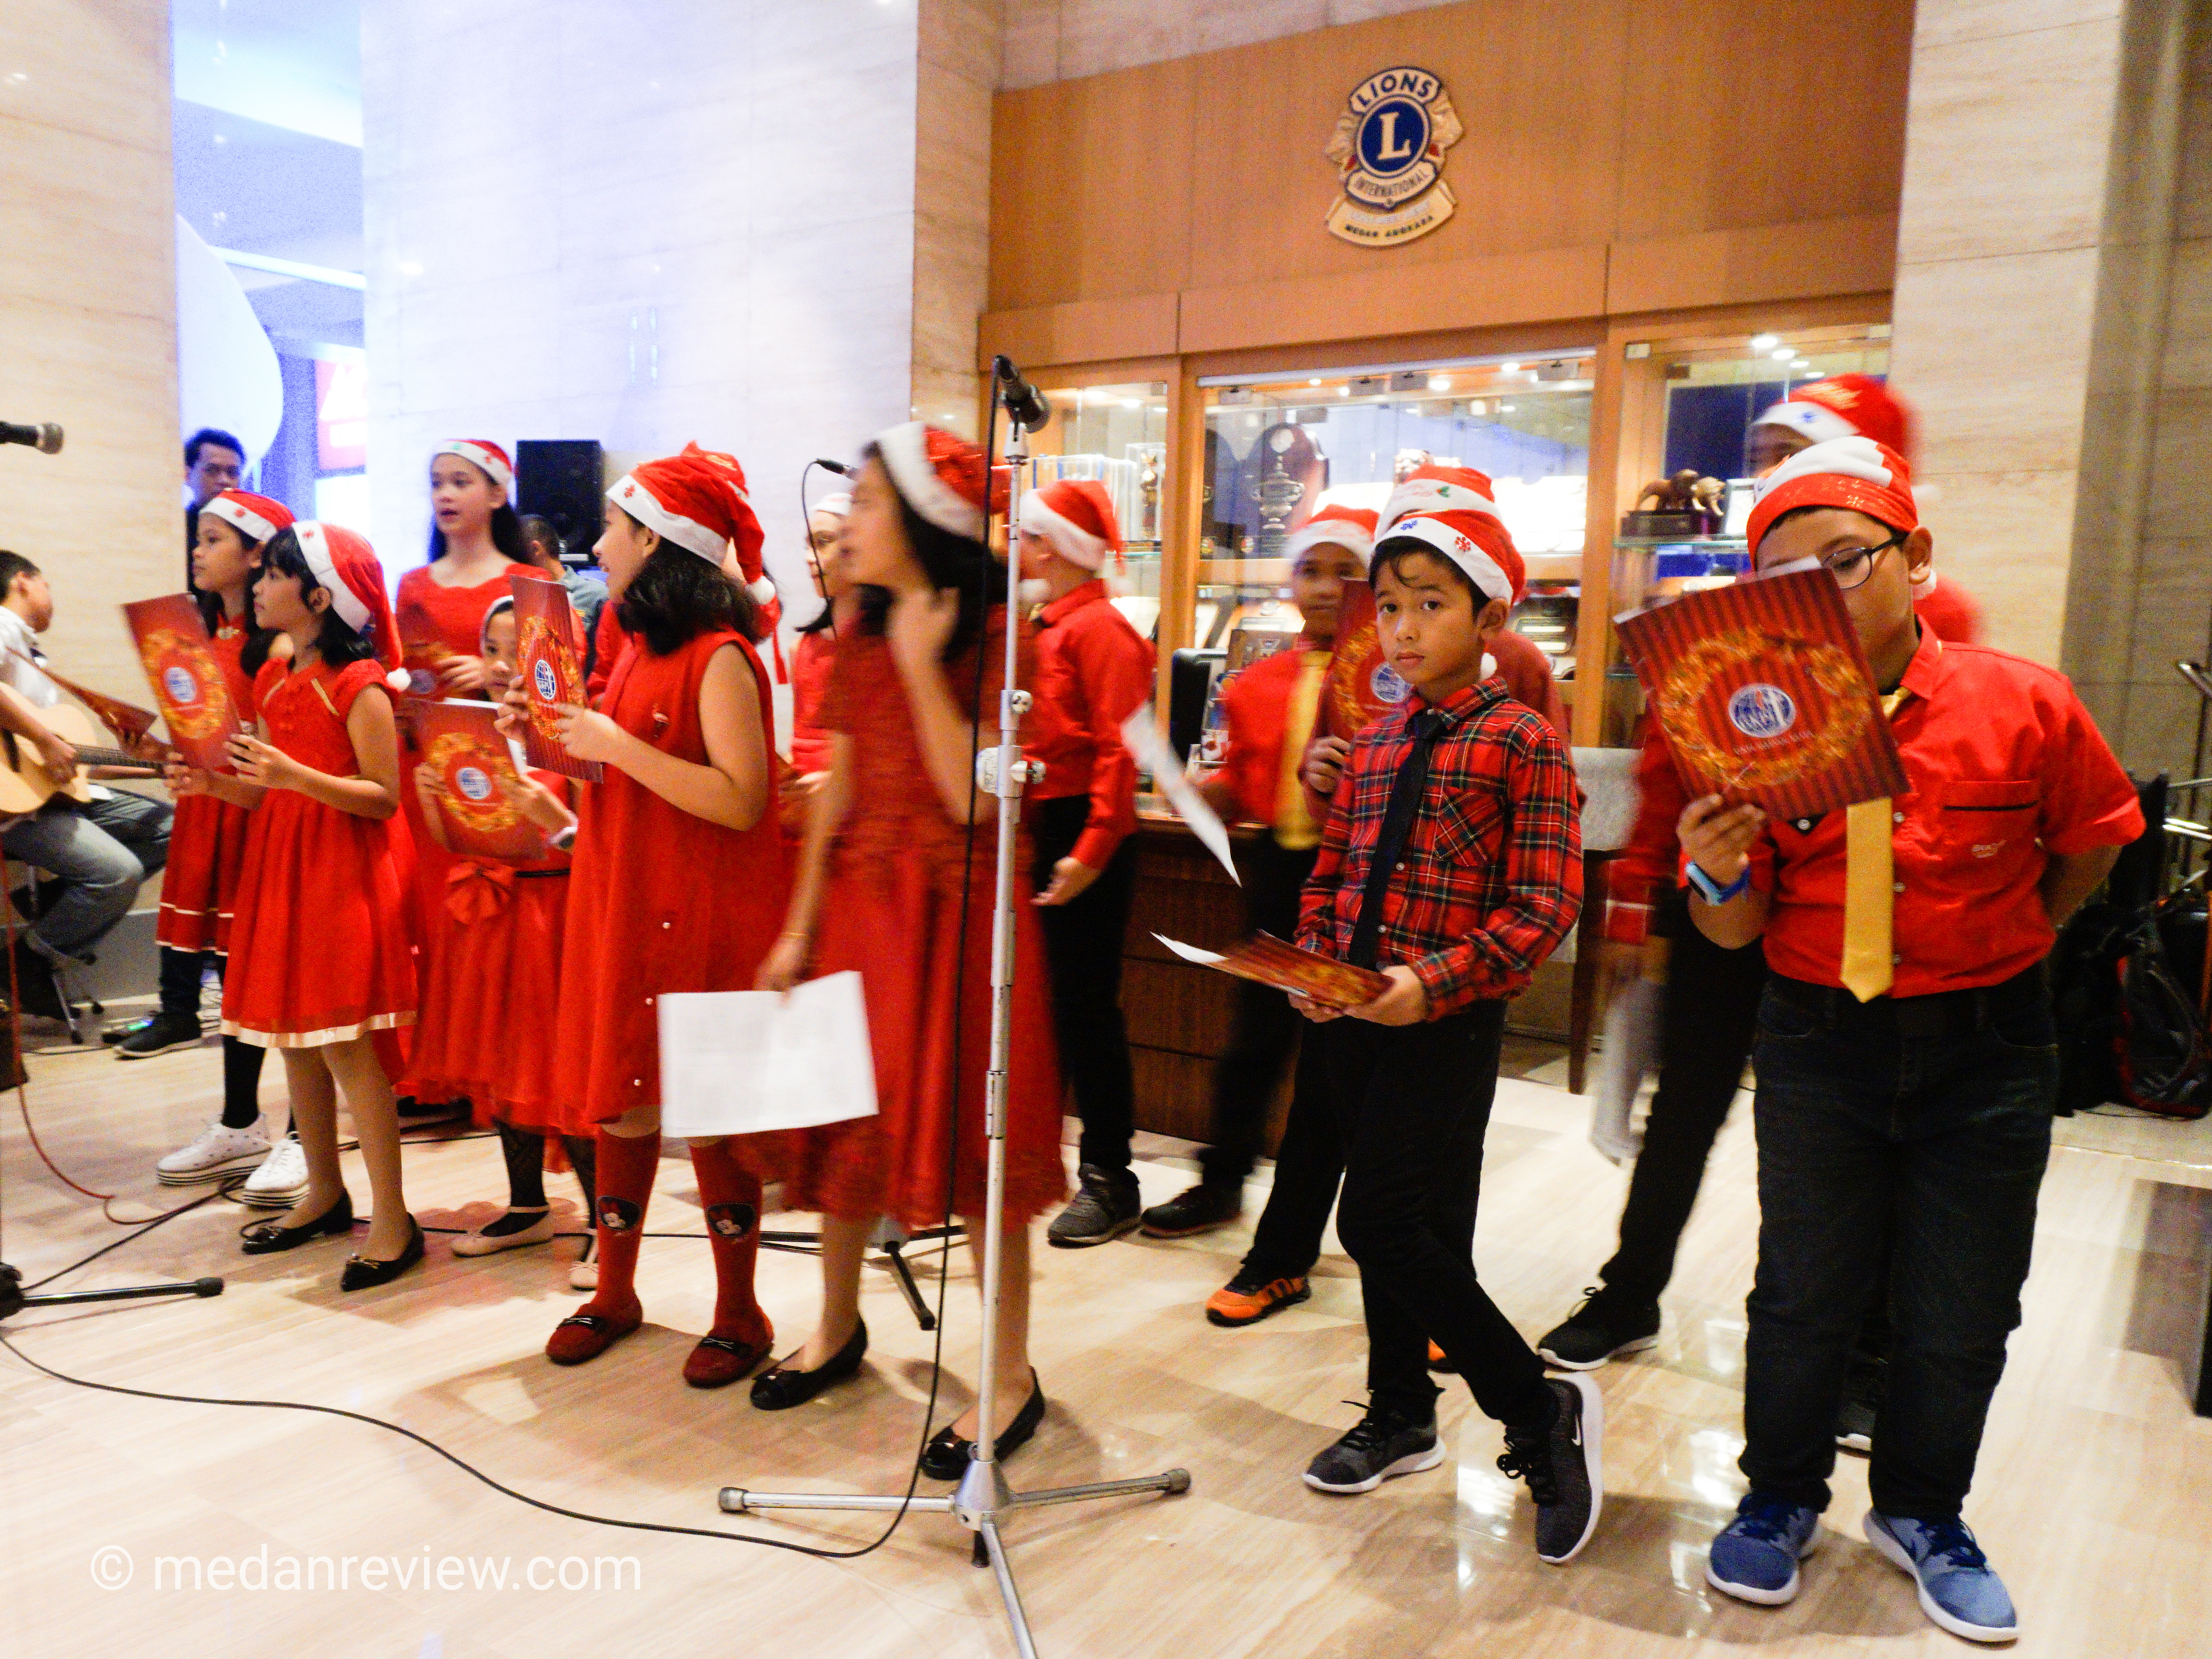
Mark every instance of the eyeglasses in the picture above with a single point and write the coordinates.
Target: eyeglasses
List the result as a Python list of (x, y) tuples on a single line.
[(1852, 567)]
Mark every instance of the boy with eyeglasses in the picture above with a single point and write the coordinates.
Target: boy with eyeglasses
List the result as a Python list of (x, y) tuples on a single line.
[(1906, 1053)]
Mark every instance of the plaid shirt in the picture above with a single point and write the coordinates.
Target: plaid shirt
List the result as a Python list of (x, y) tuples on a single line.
[(1492, 877)]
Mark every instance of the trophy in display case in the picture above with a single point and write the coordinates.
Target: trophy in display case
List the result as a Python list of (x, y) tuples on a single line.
[(1148, 494), (1287, 472)]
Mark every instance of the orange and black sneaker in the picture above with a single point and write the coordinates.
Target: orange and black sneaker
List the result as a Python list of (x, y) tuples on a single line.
[(1440, 1361), (1245, 1301)]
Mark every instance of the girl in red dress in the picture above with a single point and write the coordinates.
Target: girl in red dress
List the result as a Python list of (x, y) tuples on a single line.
[(319, 960), (812, 656), (476, 545), (900, 852), (489, 998), (207, 848), (679, 882)]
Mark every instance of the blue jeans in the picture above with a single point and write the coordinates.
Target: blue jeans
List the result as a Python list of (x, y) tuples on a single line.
[(101, 850), (1919, 1129)]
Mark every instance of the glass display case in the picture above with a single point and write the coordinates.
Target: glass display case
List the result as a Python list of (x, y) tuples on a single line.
[(1117, 434), (1277, 448)]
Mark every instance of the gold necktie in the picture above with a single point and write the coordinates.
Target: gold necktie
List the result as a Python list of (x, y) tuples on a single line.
[(1294, 826), (1869, 964)]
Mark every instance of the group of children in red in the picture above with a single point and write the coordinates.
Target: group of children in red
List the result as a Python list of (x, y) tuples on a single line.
[(1902, 1122)]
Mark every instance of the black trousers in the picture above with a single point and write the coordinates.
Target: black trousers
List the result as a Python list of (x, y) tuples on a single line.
[(1412, 1103), (1083, 943), (1265, 1034), (1710, 1016)]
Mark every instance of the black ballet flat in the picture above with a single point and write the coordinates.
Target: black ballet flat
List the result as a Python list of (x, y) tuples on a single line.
[(362, 1274), (780, 1389), (268, 1237), (947, 1455)]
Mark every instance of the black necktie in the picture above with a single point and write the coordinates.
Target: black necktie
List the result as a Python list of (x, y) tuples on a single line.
[(1390, 845)]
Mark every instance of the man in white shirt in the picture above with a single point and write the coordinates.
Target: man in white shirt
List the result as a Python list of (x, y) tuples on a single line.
[(102, 849)]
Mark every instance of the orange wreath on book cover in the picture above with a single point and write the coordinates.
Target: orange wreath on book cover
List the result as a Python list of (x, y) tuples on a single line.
[(1682, 709), (186, 670), (469, 781), (545, 656)]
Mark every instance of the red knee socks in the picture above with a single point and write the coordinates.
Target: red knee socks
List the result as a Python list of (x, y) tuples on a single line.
[(731, 1196), (627, 1165)]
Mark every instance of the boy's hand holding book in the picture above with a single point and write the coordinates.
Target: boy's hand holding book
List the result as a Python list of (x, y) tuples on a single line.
[(1717, 837)]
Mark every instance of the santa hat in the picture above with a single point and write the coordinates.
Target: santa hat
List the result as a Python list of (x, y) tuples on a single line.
[(1076, 516), (346, 567), (485, 456), (1855, 473), (257, 517), (1452, 510), (839, 506), (697, 500), (1846, 406), (942, 477), (1351, 527)]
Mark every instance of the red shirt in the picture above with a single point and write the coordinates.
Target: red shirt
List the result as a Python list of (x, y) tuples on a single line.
[(1528, 675), (1255, 704), (810, 678), (2007, 769), (1491, 878), (1093, 672), (1652, 861)]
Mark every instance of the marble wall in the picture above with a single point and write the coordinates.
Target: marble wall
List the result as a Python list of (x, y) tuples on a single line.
[(958, 45), (642, 224), (1050, 40), (88, 318)]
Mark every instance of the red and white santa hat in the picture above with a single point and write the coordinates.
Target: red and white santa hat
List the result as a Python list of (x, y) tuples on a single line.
[(1076, 516), (346, 565), (1854, 472), (1351, 527), (1452, 509), (1846, 406), (484, 455), (697, 500), (943, 477), (257, 517), (837, 505)]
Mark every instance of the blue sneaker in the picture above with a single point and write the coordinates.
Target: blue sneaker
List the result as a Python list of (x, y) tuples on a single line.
[(1958, 1587), (1755, 1558)]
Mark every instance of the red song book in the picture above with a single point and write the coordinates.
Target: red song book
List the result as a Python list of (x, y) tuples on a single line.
[(1360, 687), (1266, 960), (1766, 696), (549, 653), (479, 791), (188, 683)]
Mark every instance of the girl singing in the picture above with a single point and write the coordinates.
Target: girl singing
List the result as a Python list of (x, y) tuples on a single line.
[(895, 880), (679, 882), (320, 959)]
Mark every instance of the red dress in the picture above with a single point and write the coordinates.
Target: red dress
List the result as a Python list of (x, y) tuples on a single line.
[(490, 998), (207, 841), (892, 910), (660, 900), (809, 679), (318, 947)]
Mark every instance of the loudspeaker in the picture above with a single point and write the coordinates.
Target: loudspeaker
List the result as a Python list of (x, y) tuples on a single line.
[(562, 480)]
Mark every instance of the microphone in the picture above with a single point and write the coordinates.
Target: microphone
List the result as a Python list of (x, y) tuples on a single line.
[(1024, 402), (837, 467), (43, 436)]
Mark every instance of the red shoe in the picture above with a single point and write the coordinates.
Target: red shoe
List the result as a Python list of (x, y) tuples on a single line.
[(718, 1361), (587, 1335)]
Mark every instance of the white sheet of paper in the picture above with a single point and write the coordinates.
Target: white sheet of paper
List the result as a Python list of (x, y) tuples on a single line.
[(1191, 952), (740, 1062), (1141, 733)]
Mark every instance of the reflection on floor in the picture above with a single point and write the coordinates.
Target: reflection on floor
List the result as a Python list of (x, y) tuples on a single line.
[(2093, 1499)]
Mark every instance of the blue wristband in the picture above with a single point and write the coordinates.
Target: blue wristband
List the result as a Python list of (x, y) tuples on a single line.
[(1712, 892)]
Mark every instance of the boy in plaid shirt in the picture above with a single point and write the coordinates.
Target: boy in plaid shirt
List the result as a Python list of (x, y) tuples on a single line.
[(1452, 861)]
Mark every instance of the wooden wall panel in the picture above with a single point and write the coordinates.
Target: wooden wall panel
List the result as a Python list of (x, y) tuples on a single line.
[(1743, 113), (1764, 262)]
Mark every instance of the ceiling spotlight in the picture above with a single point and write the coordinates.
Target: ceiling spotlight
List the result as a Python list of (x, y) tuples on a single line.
[(1315, 382), (1784, 354), (1440, 383), (1132, 403), (1509, 369), (1765, 342), (1506, 408)]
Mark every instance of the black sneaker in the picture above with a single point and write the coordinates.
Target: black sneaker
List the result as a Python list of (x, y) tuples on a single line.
[(1604, 1326), (1105, 1207), (1383, 1445), (1200, 1210), (160, 1036), (1564, 1465), (1863, 1392), (124, 1030)]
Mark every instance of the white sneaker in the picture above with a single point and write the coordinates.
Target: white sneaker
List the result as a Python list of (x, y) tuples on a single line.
[(281, 1180), (218, 1152)]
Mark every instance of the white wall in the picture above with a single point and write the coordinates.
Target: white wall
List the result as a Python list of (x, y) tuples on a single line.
[(641, 223)]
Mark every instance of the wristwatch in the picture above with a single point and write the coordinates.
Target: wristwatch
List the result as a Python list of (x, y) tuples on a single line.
[(1712, 892)]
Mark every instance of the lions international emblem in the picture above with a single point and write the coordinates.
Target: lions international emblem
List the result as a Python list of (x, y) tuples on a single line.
[(1388, 148)]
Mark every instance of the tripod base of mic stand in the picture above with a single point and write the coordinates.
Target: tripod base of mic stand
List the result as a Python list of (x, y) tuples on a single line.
[(982, 1499)]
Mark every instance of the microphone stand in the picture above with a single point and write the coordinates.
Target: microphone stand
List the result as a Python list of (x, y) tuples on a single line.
[(983, 1500)]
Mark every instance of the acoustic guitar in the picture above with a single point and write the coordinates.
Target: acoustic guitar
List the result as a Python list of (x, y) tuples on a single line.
[(25, 784)]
